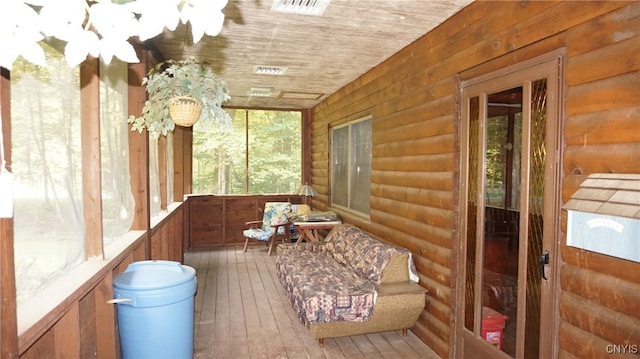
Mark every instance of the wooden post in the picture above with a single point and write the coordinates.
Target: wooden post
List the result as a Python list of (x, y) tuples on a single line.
[(179, 143), (162, 171), (8, 316), (91, 157), (139, 146)]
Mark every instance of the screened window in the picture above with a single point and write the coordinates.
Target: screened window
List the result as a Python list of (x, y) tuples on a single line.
[(46, 145), (351, 166), (161, 174), (47, 164), (117, 200), (263, 154), (154, 178)]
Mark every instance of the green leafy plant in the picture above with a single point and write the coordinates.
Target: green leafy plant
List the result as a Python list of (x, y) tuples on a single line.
[(175, 78)]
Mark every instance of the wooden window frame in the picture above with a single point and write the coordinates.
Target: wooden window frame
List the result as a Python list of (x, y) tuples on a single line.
[(332, 130)]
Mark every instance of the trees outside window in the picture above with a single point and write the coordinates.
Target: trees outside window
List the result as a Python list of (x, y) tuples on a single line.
[(49, 226), (46, 160), (263, 154)]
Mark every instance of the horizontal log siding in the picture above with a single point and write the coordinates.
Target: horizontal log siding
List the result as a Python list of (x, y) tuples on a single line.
[(412, 100), (600, 298)]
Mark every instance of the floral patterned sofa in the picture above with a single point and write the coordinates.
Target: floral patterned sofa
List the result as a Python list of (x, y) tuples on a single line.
[(350, 284)]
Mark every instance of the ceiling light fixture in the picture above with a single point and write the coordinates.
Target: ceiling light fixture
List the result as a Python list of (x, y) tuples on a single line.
[(261, 91), (301, 7), (270, 70)]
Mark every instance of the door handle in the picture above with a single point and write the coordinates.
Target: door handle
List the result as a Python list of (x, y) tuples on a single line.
[(544, 259)]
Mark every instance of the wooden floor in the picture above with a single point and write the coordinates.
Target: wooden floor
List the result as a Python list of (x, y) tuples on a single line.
[(241, 312)]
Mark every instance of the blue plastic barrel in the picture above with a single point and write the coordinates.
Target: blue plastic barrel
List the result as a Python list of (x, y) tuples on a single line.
[(155, 309)]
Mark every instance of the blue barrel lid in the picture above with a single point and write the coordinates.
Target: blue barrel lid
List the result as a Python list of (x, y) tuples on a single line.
[(154, 274)]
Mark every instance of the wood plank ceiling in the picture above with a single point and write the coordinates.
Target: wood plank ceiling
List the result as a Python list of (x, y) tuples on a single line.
[(321, 53)]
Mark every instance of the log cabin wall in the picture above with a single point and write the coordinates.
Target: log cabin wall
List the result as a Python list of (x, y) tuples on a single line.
[(415, 157)]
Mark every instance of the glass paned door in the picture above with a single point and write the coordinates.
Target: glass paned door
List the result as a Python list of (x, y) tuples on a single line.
[(509, 217)]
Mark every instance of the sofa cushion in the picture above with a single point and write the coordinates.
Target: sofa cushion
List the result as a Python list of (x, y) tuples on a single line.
[(367, 256), (320, 289), (397, 269)]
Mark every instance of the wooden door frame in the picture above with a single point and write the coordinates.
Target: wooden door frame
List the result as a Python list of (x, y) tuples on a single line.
[(551, 292)]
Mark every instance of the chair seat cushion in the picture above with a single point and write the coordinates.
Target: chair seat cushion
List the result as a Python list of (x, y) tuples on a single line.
[(257, 234)]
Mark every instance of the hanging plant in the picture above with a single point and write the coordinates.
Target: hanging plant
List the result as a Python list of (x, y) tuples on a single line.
[(186, 83)]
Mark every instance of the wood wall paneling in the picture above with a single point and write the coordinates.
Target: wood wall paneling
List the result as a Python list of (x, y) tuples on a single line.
[(220, 220), (599, 302), (412, 99), (67, 337), (106, 346), (166, 239), (234, 210), (45, 345), (206, 216), (87, 324)]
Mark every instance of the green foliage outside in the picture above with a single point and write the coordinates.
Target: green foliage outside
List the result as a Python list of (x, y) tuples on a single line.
[(274, 158), (496, 156)]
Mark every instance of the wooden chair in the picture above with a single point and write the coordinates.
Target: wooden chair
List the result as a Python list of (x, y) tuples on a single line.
[(274, 224)]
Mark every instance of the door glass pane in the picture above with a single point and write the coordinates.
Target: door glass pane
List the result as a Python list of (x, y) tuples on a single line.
[(516, 155), (472, 207), (501, 232), (535, 219), (496, 160)]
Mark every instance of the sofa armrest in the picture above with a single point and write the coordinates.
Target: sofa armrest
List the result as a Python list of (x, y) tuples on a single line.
[(399, 288), (397, 270)]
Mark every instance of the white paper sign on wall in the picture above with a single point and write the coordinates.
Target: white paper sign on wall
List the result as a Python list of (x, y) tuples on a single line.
[(611, 235)]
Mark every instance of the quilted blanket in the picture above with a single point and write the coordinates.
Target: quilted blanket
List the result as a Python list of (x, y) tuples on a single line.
[(320, 289), (335, 281)]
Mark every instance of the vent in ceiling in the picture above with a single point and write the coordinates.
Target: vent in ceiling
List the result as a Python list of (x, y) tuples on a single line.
[(261, 91), (270, 70), (302, 7)]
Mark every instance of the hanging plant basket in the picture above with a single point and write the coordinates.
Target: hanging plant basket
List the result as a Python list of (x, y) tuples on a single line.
[(182, 93), (184, 110)]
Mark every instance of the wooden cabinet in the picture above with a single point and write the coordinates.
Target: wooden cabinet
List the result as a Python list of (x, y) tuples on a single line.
[(219, 220)]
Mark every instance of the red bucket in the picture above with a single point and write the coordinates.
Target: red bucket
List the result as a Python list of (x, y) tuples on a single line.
[(492, 326)]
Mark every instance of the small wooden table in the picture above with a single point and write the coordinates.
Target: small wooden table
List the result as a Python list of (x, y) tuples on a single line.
[(309, 230)]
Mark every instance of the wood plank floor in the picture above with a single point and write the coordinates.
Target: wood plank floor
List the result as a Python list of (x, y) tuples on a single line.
[(241, 312)]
